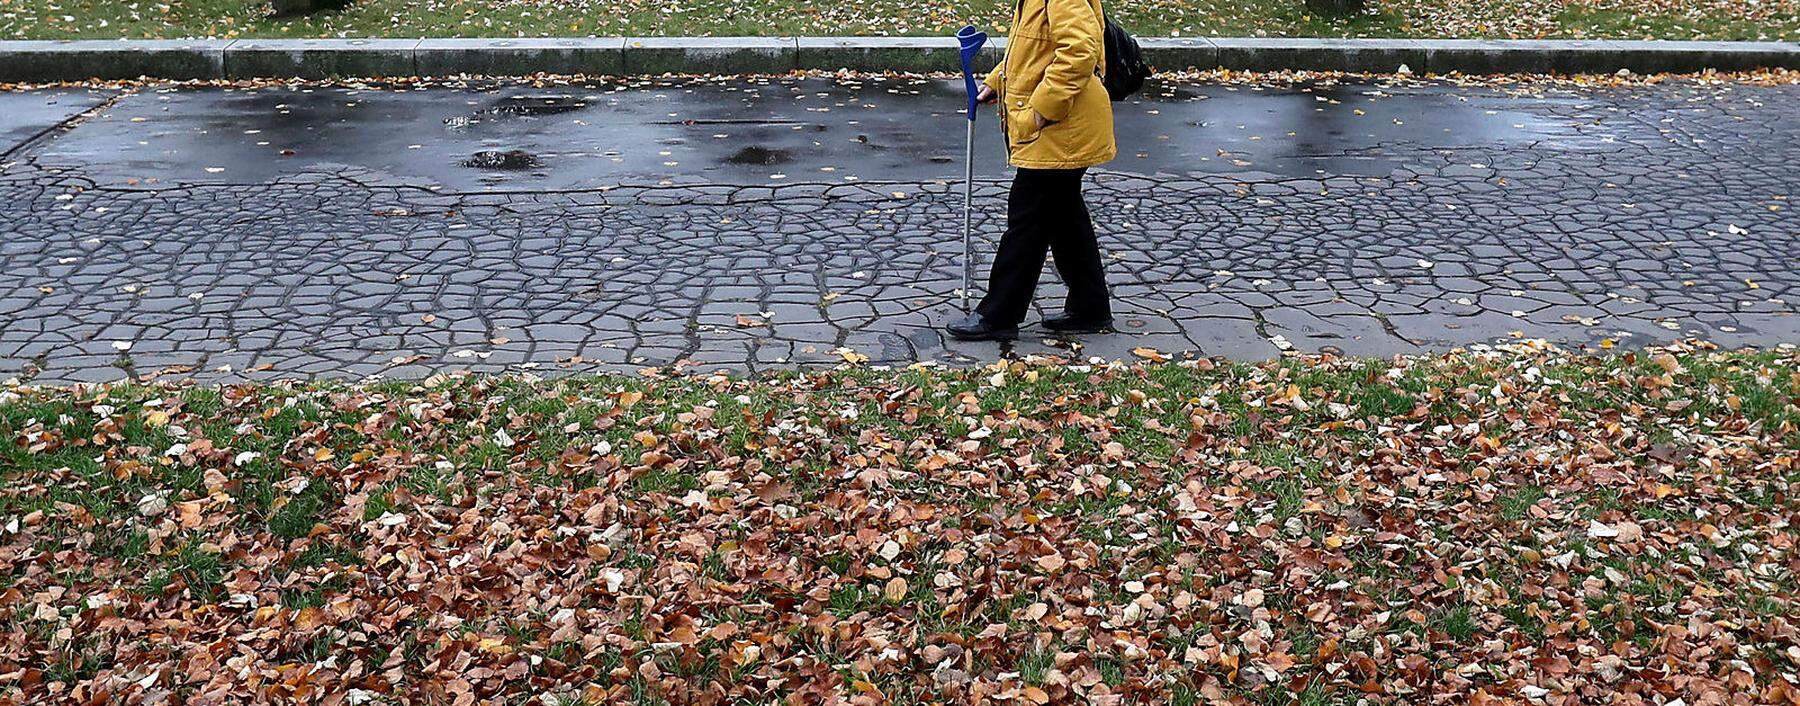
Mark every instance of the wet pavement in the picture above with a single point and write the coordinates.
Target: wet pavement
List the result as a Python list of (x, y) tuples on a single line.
[(26, 117), (348, 231)]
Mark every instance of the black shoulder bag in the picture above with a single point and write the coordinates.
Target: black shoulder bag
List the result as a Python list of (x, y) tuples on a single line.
[(1125, 68)]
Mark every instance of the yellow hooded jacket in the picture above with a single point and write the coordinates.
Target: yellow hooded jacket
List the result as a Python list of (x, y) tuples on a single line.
[(1053, 58)]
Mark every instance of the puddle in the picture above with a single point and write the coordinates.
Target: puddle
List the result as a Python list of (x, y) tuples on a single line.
[(760, 155), (538, 105), (509, 160), (518, 106)]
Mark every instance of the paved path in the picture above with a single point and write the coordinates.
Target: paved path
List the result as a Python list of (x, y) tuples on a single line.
[(343, 232)]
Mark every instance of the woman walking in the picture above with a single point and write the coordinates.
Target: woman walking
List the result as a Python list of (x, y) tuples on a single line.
[(1058, 122)]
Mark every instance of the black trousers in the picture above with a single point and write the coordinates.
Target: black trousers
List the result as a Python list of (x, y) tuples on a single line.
[(1045, 213)]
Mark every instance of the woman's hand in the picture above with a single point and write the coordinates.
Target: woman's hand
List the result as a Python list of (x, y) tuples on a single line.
[(986, 95), (1042, 122)]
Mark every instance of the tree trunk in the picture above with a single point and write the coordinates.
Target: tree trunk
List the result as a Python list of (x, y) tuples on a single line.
[(1335, 8)]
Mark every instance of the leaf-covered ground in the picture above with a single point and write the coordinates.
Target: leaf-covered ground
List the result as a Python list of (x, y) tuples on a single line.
[(1630, 19), (1487, 527)]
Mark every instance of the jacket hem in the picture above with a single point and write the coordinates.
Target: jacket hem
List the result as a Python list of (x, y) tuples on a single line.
[(1062, 164)]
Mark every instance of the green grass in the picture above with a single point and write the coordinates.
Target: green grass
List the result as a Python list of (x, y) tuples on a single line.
[(1456, 622), (194, 569), (1675, 19), (1517, 505), (1035, 665)]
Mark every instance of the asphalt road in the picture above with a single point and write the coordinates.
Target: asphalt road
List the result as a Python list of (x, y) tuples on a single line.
[(349, 231)]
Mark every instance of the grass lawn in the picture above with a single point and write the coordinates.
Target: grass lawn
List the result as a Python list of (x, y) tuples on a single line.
[(1475, 528), (1634, 19)]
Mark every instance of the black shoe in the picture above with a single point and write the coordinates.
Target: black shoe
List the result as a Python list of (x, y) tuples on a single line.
[(1064, 323), (974, 328)]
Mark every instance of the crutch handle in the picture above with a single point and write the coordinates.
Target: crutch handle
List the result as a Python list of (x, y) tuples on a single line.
[(971, 41)]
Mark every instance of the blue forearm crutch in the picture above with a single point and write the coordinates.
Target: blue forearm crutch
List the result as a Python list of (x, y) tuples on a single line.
[(971, 40)]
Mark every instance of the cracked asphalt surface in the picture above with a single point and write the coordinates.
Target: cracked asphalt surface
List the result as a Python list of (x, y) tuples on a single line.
[(229, 233)]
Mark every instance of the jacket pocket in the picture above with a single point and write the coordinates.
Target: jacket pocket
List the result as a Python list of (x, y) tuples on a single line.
[(1021, 123)]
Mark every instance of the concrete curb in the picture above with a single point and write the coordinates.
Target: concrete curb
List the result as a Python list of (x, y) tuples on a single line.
[(732, 55), (320, 58), (49, 60), (70, 61), (518, 57), (916, 54)]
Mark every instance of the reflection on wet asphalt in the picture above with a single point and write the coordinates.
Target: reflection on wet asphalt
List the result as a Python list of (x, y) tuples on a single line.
[(815, 130)]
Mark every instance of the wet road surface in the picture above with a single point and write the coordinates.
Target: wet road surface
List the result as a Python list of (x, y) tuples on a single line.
[(348, 231)]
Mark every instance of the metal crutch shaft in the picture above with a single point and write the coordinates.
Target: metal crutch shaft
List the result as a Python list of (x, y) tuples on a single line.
[(968, 208)]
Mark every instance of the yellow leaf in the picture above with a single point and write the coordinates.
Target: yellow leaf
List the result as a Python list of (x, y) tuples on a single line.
[(1150, 354), (309, 618)]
